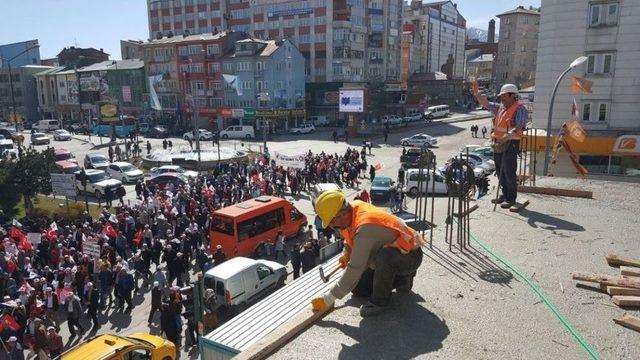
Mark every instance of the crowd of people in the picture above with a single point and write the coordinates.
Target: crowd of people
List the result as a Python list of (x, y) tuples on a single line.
[(83, 268)]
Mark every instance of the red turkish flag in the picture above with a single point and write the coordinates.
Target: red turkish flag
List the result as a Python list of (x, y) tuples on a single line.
[(137, 238), (11, 321), (17, 234), (52, 231), (109, 230)]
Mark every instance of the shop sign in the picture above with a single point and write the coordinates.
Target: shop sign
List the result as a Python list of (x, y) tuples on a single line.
[(331, 97), (249, 112), (290, 12), (351, 101), (226, 112), (108, 110), (208, 111), (280, 113), (628, 144), (237, 113)]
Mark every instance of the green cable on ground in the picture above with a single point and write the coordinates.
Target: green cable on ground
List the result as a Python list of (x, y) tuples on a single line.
[(542, 297)]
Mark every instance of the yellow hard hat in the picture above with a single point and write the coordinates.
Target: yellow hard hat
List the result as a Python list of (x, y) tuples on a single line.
[(328, 204)]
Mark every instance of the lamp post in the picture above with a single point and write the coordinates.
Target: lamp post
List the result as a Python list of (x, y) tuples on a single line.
[(547, 148), (13, 100)]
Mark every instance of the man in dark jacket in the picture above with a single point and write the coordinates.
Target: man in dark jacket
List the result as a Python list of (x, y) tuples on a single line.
[(156, 300), (308, 258), (168, 324), (93, 303), (125, 286), (219, 256), (296, 261), (74, 311)]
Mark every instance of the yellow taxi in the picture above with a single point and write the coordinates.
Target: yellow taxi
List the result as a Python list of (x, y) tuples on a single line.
[(137, 346)]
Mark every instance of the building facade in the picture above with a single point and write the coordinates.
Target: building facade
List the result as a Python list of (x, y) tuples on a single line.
[(515, 62), (8, 51), (25, 95), (341, 40), (480, 69), (607, 33), (440, 33), (131, 49), (75, 56), (271, 77)]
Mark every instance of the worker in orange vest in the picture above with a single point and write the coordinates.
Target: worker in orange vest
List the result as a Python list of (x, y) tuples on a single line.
[(508, 126), (381, 252)]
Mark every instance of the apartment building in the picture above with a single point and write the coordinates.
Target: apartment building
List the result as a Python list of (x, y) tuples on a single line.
[(607, 33), (515, 62), (440, 33), (24, 93), (341, 40)]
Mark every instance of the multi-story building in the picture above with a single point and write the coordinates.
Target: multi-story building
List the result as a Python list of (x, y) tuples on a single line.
[(480, 69), (440, 33), (75, 56), (515, 62), (131, 49), (341, 40), (606, 32), (30, 57), (47, 91), (25, 97), (409, 54), (191, 69), (270, 75)]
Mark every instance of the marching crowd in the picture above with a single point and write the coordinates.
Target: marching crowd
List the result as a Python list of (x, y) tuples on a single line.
[(83, 268)]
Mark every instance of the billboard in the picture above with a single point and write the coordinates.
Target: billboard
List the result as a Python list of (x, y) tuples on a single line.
[(351, 101)]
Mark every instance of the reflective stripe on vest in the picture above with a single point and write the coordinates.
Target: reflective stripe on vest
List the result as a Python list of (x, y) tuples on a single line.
[(501, 122), (406, 240)]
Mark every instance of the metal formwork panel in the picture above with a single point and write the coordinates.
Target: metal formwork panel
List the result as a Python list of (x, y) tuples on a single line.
[(268, 314)]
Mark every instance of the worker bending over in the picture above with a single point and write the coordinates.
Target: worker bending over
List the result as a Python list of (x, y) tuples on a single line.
[(381, 254)]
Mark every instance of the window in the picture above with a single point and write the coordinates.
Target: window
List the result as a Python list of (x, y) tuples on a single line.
[(603, 14), (606, 65), (263, 272), (195, 49), (213, 49), (183, 51), (601, 63), (260, 224), (228, 67), (602, 112), (586, 112), (216, 85), (595, 164), (523, 48), (295, 214), (138, 354), (222, 225)]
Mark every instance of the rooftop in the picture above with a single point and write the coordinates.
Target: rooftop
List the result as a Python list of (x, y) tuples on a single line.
[(180, 38), (520, 10), (470, 306), (268, 47), (130, 64), (483, 58)]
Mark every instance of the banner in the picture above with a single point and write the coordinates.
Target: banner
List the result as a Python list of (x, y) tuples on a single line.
[(63, 184), (351, 101), (294, 161), (233, 82), (91, 248), (34, 238), (155, 102)]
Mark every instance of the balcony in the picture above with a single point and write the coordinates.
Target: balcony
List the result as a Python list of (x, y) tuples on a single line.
[(198, 92)]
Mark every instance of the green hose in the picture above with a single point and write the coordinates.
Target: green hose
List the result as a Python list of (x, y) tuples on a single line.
[(542, 297)]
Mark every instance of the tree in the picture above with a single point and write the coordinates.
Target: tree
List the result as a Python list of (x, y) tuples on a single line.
[(25, 177), (377, 97)]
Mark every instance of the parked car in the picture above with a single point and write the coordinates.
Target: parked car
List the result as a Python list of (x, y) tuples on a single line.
[(411, 157), (485, 152), (411, 117), (303, 129), (97, 182), (420, 183), (67, 166), (137, 346), (96, 161), (319, 120), (46, 125), (8, 149), (82, 129), (61, 135), (391, 120), (487, 164), (143, 127), (8, 133), (438, 111), (172, 169), (158, 132), (241, 281), (126, 172), (163, 179), (202, 135), (64, 154), (40, 139), (381, 188), (471, 148), (419, 140), (238, 132)]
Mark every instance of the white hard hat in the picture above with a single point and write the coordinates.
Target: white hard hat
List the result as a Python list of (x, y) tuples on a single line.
[(507, 89)]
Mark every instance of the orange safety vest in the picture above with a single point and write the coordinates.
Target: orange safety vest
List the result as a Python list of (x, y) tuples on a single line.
[(406, 240), (501, 123)]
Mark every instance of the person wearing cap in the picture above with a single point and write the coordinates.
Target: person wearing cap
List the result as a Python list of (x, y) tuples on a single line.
[(54, 340), (508, 125), (12, 350), (219, 256), (93, 303), (74, 311), (381, 252), (156, 300), (50, 306), (40, 346)]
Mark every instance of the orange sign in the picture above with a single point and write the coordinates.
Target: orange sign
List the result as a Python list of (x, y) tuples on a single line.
[(627, 144), (575, 130)]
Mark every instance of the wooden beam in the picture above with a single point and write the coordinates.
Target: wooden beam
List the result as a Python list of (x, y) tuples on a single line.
[(615, 261), (617, 290), (629, 271), (629, 282), (555, 191), (280, 336), (630, 322), (465, 213), (626, 300), (519, 206)]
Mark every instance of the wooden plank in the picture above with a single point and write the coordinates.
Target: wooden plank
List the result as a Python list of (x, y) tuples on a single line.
[(626, 300), (630, 322), (464, 213), (629, 282), (555, 191), (519, 206), (615, 261), (617, 290), (280, 336), (629, 271)]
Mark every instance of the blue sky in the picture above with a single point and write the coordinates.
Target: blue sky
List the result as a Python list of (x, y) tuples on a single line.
[(103, 23)]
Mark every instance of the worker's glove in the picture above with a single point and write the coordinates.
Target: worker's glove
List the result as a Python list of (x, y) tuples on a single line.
[(344, 259), (323, 302)]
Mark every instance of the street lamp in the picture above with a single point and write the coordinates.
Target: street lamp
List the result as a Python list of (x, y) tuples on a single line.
[(579, 61), (13, 100)]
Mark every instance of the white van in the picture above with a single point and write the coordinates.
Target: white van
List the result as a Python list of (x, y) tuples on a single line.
[(46, 125), (238, 132), (240, 281), (318, 120), (436, 112), (415, 183)]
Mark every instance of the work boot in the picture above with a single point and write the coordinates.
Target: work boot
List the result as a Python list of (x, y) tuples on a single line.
[(508, 204), (371, 309), (499, 200)]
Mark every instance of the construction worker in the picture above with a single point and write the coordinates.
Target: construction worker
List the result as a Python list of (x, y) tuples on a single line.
[(508, 125), (381, 252)]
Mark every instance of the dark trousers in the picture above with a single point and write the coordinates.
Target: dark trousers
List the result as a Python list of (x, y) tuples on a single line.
[(392, 269), (153, 312), (296, 272), (506, 168), (93, 313), (74, 323), (126, 298)]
